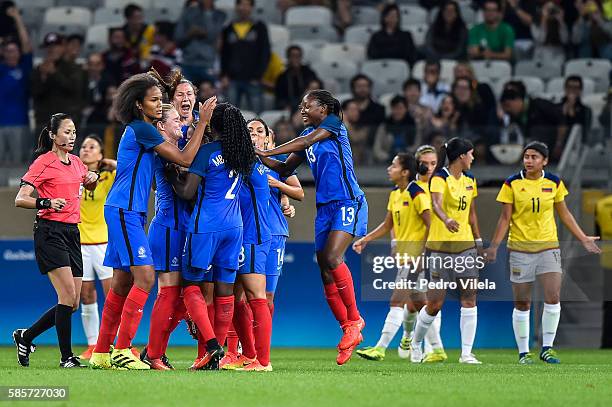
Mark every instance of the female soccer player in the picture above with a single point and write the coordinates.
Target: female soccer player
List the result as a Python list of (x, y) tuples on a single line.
[(453, 238), (138, 104), (214, 238), (529, 201), (58, 178), (342, 210), (182, 95), (94, 238), (409, 217)]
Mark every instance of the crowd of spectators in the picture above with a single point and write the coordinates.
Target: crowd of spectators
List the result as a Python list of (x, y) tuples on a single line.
[(232, 56)]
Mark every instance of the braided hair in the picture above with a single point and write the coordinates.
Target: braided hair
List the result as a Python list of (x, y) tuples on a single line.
[(236, 146)]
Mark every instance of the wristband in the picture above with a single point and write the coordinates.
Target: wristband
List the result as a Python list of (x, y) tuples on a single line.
[(478, 242), (43, 203)]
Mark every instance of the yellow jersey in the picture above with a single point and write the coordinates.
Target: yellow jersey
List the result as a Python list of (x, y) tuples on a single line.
[(603, 217), (93, 226), (406, 208), (457, 196), (532, 226)]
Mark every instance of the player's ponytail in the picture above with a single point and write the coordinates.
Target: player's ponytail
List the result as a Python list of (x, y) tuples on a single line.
[(456, 147), (408, 162), (45, 143), (236, 146)]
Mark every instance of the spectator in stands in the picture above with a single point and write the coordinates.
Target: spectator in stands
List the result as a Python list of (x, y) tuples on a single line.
[(573, 109), (445, 122), (72, 51), (245, 53), (391, 41), (165, 56), (493, 39), (8, 28), (419, 113), (592, 32), (550, 35), (359, 133), (15, 70), (343, 15), (291, 84), (119, 59), (371, 114), (432, 89), (283, 131), (520, 15), (537, 119), (447, 36), (139, 34), (55, 83), (74, 46), (98, 82), (606, 116), (197, 34), (296, 118), (397, 133), (463, 69), (206, 89)]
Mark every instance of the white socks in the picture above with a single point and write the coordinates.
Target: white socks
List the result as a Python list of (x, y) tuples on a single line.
[(391, 326), (550, 322), (467, 323), (91, 322), (424, 321), (409, 320), (432, 337), (520, 324)]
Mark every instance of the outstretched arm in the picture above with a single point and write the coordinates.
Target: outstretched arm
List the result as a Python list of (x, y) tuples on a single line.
[(570, 222), (283, 168), (300, 143)]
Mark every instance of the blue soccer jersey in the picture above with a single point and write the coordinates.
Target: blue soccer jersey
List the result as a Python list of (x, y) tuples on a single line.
[(135, 160), (170, 210), (331, 162), (254, 206), (217, 205), (278, 222)]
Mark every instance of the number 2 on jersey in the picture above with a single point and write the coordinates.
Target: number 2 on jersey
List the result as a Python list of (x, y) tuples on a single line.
[(231, 194)]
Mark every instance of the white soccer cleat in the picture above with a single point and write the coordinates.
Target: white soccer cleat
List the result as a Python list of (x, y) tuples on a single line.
[(469, 359), (416, 353), (403, 350)]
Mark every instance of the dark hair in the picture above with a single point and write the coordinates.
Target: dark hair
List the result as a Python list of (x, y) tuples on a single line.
[(510, 94), (347, 102), (456, 147), (250, 1), (397, 99), (77, 37), (260, 120), (433, 62), (293, 48), (537, 146), (359, 77), (386, 10), (497, 3), (173, 80), (325, 98), (440, 34), (236, 145), (98, 140), (132, 90), (130, 9), (165, 28), (518, 86), (411, 82), (408, 162), (575, 78), (45, 144)]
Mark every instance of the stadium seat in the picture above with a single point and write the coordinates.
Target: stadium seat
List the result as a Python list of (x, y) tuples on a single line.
[(308, 15), (343, 97), (279, 39), (145, 4), (385, 100), (542, 69), (388, 75), (534, 85), (341, 71), (553, 97), (164, 4), (313, 33), (225, 4), (267, 12), (63, 29), (35, 3), (90, 4), (597, 69), (494, 70), (32, 16), (597, 102), (96, 39), (418, 32), (557, 85), (360, 34), (446, 72), (351, 52), (413, 15), (311, 51), (172, 14), (108, 16), (365, 15), (68, 15), (273, 116)]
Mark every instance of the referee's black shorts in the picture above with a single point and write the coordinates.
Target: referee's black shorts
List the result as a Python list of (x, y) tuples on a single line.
[(56, 245)]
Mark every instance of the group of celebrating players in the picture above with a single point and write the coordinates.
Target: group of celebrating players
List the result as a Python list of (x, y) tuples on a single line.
[(218, 236)]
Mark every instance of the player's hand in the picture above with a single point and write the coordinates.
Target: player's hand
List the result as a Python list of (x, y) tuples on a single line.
[(589, 244), (452, 225), (90, 178), (359, 245), (206, 109), (273, 182), (490, 254), (260, 153), (289, 211), (58, 204), (13, 12)]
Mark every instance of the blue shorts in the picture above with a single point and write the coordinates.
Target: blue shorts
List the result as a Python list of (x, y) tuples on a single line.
[(167, 245), (350, 216), (127, 244), (253, 258), (274, 264), (213, 274), (204, 250)]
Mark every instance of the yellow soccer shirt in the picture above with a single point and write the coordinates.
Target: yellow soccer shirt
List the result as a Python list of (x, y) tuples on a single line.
[(93, 226), (406, 208), (457, 196), (532, 226)]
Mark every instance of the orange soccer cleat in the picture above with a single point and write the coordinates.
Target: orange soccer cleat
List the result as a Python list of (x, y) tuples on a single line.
[(86, 355), (344, 355), (255, 366), (352, 332)]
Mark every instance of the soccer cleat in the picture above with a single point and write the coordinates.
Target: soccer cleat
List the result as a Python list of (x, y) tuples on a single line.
[(240, 362), (352, 332), (193, 365), (134, 351), (23, 348), (416, 354), (549, 355), (344, 355), (469, 359), (525, 359), (192, 328), (403, 350), (372, 353), (210, 360), (125, 358), (230, 357), (72, 362), (256, 367), (166, 361), (100, 361), (435, 356), (87, 353), (157, 364)]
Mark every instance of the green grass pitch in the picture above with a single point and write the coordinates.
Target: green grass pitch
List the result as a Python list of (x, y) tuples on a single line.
[(310, 377)]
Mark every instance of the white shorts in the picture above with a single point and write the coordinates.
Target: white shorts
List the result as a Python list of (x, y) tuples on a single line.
[(93, 262), (448, 267), (404, 274), (524, 267)]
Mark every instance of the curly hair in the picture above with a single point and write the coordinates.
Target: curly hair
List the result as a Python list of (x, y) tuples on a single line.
[(236, 145), (132, 90)]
